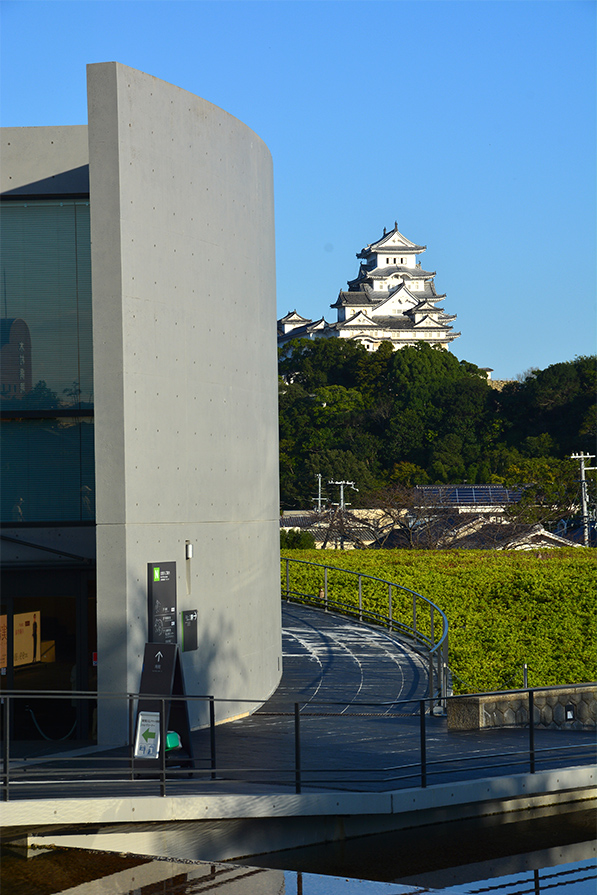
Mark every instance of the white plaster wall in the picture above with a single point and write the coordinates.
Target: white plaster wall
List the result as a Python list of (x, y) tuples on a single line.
[(182, 232)]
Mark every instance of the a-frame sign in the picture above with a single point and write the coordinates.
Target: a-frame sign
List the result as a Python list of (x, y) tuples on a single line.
[(162, 676)]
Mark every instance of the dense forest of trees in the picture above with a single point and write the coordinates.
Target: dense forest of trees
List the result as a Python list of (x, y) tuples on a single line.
[(421, 416)]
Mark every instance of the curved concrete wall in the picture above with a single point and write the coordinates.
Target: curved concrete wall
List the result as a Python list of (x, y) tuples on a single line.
[(183, 280)]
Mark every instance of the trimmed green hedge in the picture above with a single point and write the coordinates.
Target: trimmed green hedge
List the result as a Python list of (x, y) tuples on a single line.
[(503, 608)]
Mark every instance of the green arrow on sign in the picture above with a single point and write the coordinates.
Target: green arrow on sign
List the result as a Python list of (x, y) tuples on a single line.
[(148, 735)]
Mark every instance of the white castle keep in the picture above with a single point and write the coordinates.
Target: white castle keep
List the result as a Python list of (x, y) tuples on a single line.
[(391, 300)]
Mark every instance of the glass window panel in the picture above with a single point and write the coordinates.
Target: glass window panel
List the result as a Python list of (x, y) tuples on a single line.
[(47, 470), (46, 333)]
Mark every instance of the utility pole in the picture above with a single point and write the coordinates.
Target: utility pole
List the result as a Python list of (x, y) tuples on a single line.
[(584, 497), (351, 485), (317, 499), (342, 507)]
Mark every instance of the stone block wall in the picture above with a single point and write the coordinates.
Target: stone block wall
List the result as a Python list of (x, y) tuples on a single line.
[(555, 708)]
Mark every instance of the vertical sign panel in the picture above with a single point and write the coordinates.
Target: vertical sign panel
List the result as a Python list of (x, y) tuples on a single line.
[(189, 630), (161, 600), (162, 676), (147, 738)]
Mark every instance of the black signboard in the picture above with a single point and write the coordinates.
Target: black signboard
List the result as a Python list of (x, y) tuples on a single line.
[(161, 602), (189, 630), (162, 676), (159, 664)]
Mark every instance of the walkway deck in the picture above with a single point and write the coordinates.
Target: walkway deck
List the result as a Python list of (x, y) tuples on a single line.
[(358, 689)]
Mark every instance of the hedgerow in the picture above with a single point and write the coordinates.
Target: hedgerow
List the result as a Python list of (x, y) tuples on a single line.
[(504, 608)]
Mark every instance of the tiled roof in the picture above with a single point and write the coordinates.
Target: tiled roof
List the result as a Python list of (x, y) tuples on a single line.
[(402, 322), (503, 536), (353, 299), (292, 315), (300, 331), (378, 273), (428, 304), (406, 246), (428, 323)]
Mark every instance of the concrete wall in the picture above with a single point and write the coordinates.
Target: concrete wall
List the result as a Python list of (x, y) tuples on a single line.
[(183, 279), (44, 161), (233, 826), (555, 708)]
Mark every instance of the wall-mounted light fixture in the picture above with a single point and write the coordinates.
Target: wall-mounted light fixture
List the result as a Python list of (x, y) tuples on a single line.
[(188, 555)]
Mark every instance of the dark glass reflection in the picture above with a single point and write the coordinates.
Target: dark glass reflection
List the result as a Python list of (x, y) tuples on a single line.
[(46, 389), (46, 335)]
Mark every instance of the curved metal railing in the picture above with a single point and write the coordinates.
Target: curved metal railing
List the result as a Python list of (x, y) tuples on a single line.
[(420, 629)]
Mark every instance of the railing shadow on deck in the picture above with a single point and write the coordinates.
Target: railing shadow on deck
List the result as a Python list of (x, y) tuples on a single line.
[(342, 591)]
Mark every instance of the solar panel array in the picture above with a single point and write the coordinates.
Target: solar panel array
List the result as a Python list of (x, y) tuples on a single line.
[(470, 495)]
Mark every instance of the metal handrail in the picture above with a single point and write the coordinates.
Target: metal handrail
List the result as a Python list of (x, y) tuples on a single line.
[(436, 650), (119, 767)]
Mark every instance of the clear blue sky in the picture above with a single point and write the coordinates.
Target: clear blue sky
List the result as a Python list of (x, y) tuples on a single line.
[(470, 123)]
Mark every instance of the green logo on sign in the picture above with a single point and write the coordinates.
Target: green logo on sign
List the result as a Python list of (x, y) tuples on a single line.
[(156, 573)]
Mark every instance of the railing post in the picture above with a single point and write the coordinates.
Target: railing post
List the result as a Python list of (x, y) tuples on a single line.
[(531, 731), (297, 749), (446, 665), (6, 750), (360, 601), (431, 682), (163, 734), (325, 588), (415, 614), (212, 736), (390, 605), (423, 743), (132, 732), (432, 624), (287, 579)]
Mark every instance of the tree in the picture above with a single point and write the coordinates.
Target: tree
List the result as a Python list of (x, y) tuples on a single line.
[(320, 362), (42, 397), (558, 402), (409, 474), (73, 392), (294, 539), (550, 490), (420, 415), (402, 516)]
